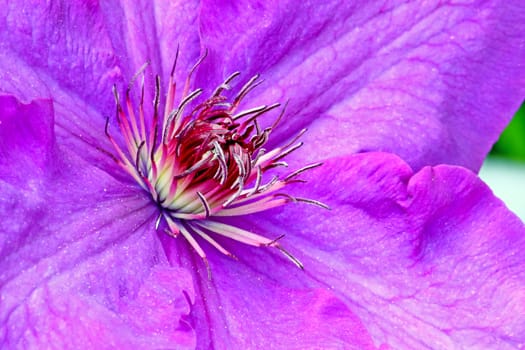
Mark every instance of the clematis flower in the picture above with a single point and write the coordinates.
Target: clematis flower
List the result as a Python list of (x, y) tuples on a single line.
[(402, 102)]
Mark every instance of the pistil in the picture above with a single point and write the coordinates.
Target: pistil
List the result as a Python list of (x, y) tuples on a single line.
[(206, 162)]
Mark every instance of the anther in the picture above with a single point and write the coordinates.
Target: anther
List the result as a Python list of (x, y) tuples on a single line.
[(210, 162)]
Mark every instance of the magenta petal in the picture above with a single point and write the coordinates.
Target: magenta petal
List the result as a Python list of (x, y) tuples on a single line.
[(24, 146), (80, 263), (266, 303), (66, 45), (427, 260), (74, 53), (70, 319), (432, 82), (146, 31), (80, 49)]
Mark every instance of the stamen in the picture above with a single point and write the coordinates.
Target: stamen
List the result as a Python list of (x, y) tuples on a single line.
[(225, 85), (175, 62), (249, 86), (137, 158), (250, 111), (312, 201), (175, 115), (234, 197), (189, 237), (136, 75), (209, 163), (289, 150), (302, 170), (205, 204), (213, 242), (188, 79), (257, 182), (291, 257), (158, 221), (280, 117), (199, 165), (259, 113)]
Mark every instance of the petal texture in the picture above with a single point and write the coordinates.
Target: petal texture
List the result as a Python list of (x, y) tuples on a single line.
[(426, 260), (430, 260), (261, 301), (85, 47), (412, 78), (75, 52), (80, 264), (25, 147)]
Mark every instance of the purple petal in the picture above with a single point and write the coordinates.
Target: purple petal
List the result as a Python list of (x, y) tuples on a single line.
[(254, 303), (75, 53), (79, 50), (64, 46), (432, 82), (427, 260), (80, 263), (24, 147), (146, 31)]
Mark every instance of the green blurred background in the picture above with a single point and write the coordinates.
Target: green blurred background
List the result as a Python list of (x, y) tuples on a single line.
[(512, 142), (504, 168)]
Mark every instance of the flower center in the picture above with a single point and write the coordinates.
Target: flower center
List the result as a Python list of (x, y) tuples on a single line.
[(207, 162)]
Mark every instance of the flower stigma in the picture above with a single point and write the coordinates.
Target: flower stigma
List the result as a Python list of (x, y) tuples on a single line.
[(206, 162)]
